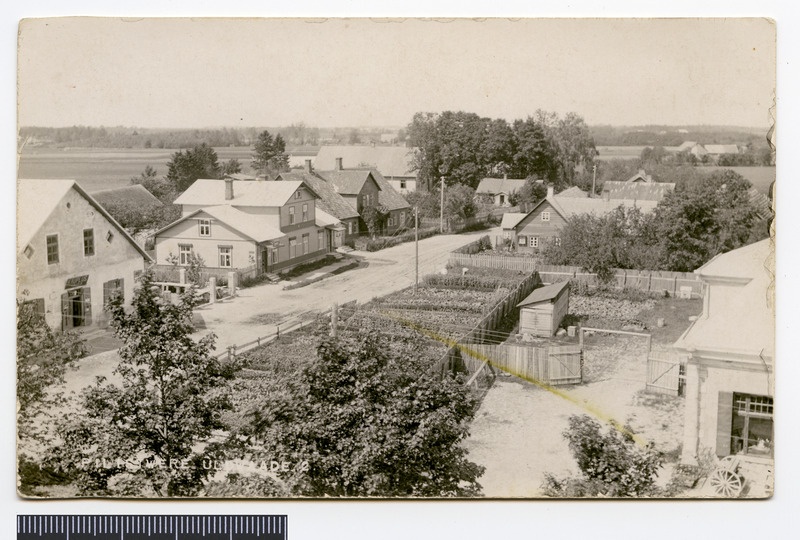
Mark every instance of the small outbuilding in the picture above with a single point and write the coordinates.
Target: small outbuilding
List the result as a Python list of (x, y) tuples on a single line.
[(543, 310)]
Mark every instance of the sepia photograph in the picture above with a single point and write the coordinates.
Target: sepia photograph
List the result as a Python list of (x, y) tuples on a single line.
[(395, 258)]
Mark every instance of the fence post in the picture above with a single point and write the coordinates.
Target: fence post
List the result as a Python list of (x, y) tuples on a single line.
[(675, 287), (212, 285)]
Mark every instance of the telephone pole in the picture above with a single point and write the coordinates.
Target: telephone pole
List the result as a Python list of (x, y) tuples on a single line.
[(416, 249), (594, 175), (441, 210)]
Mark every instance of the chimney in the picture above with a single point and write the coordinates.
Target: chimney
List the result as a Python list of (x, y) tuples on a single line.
[(339, 164), (309, 168), (505, 176), (550, 192), (228, 189)]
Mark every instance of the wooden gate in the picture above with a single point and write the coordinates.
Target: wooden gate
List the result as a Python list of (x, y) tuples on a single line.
[(665, 374), (550, 365)]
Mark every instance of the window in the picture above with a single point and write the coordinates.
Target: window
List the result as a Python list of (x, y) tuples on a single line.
[(522, 240), (751, 425), (349, 227), (402, 184), (297, 194), (402, 220), (390, 222), (292, 248), (291, 215), (320, 240), (28, 251), (184, 254), (88, 242), (205, 227), (115, 287), (305, 212), (52, 249), (366, 199), (274, 255), (557, 240), (109, 236), (534, 241), (225, 256), (305, 244), (545, 216)]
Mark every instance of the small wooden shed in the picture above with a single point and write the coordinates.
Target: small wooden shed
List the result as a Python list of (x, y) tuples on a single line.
[(542, 311)]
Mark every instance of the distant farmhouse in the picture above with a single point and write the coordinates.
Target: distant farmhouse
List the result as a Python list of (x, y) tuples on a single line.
[(261, 225), (498, 190), (395, 163), (545, 221), (72, 256), (639, 187)]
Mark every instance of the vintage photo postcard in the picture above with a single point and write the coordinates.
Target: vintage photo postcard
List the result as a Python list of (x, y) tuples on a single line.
[(352, 258)]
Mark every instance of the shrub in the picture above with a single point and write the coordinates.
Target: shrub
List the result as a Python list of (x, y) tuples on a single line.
[(376, 244)]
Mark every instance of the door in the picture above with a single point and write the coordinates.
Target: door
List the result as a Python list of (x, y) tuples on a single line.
[(76, 308), (264, 260)]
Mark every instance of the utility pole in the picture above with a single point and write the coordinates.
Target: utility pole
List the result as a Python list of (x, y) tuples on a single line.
[(416, 249), (441, 210), (594, 176)]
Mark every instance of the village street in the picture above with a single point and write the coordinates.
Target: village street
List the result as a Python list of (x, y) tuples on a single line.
[(256, 311)]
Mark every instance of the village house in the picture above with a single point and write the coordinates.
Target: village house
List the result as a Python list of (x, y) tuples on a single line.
[(729, 356), (544, 222), (255, 225), (395, 163), (498, 190), (716, 150), (72, 256), (639, 187)]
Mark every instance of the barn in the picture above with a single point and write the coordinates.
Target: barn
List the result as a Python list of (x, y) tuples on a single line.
[(542, 311)]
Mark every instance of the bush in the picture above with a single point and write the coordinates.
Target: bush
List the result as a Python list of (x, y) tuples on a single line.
[(454, 281), (611, 464), (483, 243), (376, 244)]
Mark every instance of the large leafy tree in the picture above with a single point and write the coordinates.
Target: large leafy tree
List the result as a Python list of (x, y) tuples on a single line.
[(269, 154), (535, 155), (148, 433), (364, 424), (186, 166), (709, 216)]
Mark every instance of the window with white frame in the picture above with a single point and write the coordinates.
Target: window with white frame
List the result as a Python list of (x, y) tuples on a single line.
[(390, 221), (305, 212), (752, 425), (292, 247), (545, 216), (320, 240), (184, 254), (204, 225), (225, 256), (534, 241), (52, 249), (366, 199), (523, 241), (305, 244), (291, 215), (402, 184)]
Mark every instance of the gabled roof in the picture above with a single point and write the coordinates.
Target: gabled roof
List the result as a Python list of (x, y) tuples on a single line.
[(136, 194), (37, 199), (205, 192), (324, 219), (570, 206), (575, 192), (388, 196), (389, 160), (546, 293), (639, 191), (640, 176), (686, 145), (510, 219), (258, 228), (722, 149), (347, 181), (329, 200), (744, 263), (493, 186)]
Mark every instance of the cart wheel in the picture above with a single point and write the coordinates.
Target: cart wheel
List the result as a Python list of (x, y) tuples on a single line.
[(726, 483)]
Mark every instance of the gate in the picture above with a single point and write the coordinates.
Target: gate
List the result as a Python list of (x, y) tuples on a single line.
[(665, 374)]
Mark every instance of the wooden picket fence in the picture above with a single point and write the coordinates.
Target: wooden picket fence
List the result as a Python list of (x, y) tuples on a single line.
[(549, 365), (646, 280)]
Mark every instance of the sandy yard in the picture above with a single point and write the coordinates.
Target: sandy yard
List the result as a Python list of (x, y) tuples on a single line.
[(517, 432)]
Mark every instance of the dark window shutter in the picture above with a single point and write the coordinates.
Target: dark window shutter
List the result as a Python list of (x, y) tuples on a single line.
[(87, 306), (724, 422), (65, 311)]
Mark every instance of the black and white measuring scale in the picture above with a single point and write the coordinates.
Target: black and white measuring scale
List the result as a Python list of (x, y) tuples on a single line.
[(151, 527)]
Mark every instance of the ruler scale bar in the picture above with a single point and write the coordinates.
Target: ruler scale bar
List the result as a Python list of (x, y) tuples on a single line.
[(152, 527)]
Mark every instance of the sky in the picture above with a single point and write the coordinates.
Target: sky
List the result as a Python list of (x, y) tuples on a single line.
[(240, 72)]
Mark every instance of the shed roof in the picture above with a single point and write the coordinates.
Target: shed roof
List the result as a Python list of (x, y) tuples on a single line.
[(389, 160), (547, 293), (206, 192), (510, 219), (492, 186)]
